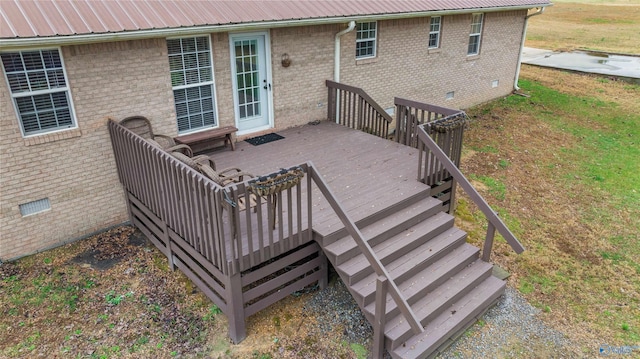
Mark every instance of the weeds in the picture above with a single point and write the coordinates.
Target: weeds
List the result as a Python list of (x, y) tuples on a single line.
[(212, 313), (113, 299)]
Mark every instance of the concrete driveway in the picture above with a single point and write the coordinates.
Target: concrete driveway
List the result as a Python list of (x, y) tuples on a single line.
[(584, 61)]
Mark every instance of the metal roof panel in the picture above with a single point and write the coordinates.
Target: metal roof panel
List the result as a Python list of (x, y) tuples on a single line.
[(38, 18), (18, 23)]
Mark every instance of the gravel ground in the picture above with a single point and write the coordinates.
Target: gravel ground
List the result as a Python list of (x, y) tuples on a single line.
[(511, 329), (335, 307)]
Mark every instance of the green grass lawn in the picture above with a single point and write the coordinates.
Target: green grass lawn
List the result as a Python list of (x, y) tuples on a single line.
[(563, 165)]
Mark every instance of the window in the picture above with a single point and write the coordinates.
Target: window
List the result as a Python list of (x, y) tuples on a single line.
[(192, 81), (434, 32), (366, 40), (39, 89), (474, 36)]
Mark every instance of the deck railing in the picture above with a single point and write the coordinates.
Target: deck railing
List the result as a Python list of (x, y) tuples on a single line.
[(184, 201), (411, 114), (267, 225), (244, 251), (446, 128), (352, 107), (495, 223), (209, 219)]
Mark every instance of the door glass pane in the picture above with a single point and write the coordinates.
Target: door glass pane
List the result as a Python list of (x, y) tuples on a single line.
[(248, 77)]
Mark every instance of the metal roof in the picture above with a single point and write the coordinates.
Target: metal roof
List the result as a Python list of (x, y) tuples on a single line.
[(49, 18)]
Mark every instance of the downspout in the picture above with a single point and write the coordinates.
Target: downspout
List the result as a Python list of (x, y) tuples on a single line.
[(336, 58), (336, 63), (524, 35)]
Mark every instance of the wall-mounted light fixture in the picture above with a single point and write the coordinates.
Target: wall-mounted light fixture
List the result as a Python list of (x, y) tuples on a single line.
[(286, 61)]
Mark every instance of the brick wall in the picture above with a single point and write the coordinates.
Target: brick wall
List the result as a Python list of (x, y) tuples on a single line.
[(404, 67), (75, 169), (299, 91)]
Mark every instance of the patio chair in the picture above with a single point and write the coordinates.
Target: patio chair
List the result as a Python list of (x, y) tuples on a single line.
[(207, 166), (141, 126)]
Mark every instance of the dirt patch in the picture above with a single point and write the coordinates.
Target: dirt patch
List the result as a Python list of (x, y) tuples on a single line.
[(111, 248)]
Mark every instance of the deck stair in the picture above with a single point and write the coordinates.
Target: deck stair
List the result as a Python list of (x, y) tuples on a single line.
[(441, 276)]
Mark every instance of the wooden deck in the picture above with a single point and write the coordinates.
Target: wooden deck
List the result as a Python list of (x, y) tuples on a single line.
[(365, 172), (401, 256)]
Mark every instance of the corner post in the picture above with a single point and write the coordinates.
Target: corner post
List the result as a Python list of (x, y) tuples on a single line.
[(235, 308)]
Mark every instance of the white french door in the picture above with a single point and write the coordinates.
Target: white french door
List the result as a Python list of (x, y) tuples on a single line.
[(251, 81)]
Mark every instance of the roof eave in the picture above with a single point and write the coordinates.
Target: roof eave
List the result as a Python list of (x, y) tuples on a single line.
[(62, 40)]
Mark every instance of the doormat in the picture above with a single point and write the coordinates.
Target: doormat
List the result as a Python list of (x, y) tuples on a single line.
[(261, 140)]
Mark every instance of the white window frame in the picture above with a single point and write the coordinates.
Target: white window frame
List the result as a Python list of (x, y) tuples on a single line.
[(52, 88), (186, 86), (475, 36), (435, 29), (364, 37)]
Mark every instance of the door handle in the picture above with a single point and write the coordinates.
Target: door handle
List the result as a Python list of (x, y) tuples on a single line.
[(267, 86)]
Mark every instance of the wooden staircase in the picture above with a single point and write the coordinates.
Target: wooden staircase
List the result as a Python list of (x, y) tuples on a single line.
[(440, 276)]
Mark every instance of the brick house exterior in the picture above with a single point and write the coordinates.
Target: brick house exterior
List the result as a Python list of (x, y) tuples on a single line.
[(74, 168)]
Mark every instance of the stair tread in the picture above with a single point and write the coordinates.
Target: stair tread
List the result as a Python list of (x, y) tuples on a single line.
[(460, 314), (397, 267), (413, 234), (347, 243), (422, 280), (393, 266), (433, 301), (451, 238)]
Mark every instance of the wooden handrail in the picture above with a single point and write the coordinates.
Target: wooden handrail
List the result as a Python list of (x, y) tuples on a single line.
[(360, 92), (495, 223), (366, 249), (425, 107)]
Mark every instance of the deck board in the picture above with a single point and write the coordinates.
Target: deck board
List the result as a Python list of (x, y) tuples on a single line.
[(365, 172)]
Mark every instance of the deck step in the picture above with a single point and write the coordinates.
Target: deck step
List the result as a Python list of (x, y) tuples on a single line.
[(424, 280), (346, 247), (438, 274), (395, 209), (358, 267), (463, 313), (431, 305)]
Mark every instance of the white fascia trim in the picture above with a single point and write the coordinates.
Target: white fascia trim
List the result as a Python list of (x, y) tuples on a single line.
[(17, 43)]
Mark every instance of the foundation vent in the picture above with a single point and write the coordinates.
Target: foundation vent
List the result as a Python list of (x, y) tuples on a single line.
[(41, 205)]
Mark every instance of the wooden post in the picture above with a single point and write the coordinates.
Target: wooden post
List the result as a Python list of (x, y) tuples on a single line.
[(324, 269), (452, 198), (167, 243), (235, 308), (488, 242), (380, 319)]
